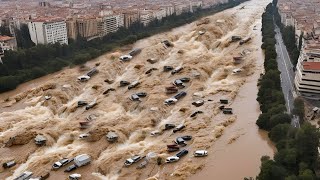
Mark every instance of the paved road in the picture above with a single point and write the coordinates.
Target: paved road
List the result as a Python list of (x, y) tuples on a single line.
[(287, 75)]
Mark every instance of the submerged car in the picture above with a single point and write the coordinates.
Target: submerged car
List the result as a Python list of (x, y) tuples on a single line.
[(172, 159), (182, 153), (170, 101), (60, 163), (132, 160), (125, 58), (200, 153), (178, 128)]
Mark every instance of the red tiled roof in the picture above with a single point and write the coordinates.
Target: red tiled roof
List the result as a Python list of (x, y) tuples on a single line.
[(5, 38), (311, 66)]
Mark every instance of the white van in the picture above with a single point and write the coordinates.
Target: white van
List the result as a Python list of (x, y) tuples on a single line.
[(82, 160)]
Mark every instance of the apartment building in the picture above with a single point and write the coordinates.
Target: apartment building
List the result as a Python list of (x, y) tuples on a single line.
[(130, 17), (48, 31), (108, 24), (146, 16), (7, 43), (307, 79)]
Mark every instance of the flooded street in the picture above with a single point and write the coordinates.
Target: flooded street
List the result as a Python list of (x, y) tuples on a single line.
[(233, 142)]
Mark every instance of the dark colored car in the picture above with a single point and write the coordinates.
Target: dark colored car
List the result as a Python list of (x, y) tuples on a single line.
[(169, 126), (182, 153), (195, 113), (178, 128), (150, 70), (71, 168), (124, 83), (185, 79), (141, 94), (82, 103), (108, 90), (180, 95), (167, 68), (186, 138)]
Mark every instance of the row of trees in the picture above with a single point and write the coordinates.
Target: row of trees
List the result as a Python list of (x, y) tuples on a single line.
[(289, 38), (35, 61), (296, 156)]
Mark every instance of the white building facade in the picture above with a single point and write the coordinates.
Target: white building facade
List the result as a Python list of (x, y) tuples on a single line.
[(48, 31), (307, 78)]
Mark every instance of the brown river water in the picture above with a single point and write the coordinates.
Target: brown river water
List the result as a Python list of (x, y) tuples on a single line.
[(234, 143)]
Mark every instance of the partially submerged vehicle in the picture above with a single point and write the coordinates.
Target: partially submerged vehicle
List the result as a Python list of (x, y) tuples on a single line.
[(227, 110), (169, 126), (82, 103), (108, 90), (91, 105), (60, 163), (178, 128), (135, 52), (8, 164), (180, 95), (177, 70), (155, 133), (167, 68), (178, 83), (196, 113), (125, 58), (224, 101), (143, 164), (83, 78), (173, 147), (235, 38), (150, 70), (200, 153), (182, 153), (24, 176), (92, 72), (133, 84), (152, 60), (82, 160), (172, 159), (167, 43), (40, 140), (235, 71), (124, 83), (180, 141), (245, 41), (237, 59), (132, 160), (170, 101), (83, 136), (198, 103), (112, 137), (171, 89), (75, 176)]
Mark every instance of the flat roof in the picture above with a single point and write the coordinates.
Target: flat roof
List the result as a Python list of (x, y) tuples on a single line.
[(5, 38), (311, 66)]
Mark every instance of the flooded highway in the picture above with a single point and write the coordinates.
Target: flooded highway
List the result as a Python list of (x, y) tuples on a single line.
[(233, 142)]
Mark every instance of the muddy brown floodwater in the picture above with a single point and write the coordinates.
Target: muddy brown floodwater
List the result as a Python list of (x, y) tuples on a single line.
[(234, 142)]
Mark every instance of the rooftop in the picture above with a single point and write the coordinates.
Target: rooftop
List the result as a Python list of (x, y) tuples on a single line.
[(5, 38), (311, 66)]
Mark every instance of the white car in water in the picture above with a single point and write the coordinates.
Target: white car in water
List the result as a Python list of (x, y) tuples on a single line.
[(83, 78), (172, 159), (125, 58), (200, 153), (170, 101)]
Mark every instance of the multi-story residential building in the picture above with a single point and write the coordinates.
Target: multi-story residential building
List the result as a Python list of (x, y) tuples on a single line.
[(7, 43), (88, 27), (129, 17), (48, 30), (181, 8), (146, 16), (72, 30), (307, 79), (108, 24)]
